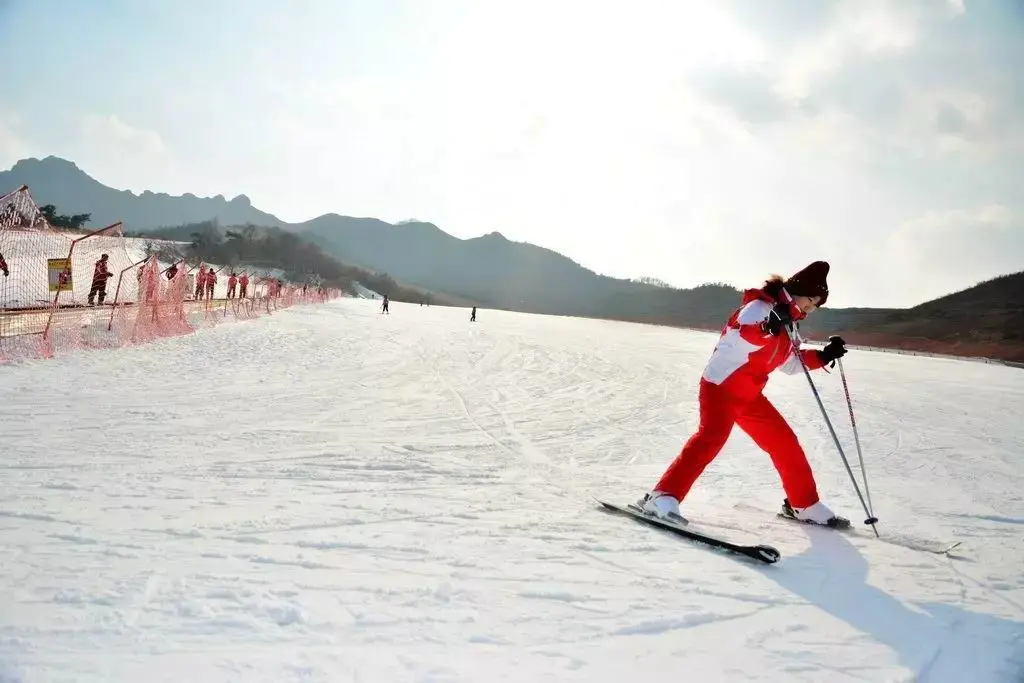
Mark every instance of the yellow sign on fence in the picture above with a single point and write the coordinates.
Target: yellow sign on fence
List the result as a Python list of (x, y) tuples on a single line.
[(58, 272)]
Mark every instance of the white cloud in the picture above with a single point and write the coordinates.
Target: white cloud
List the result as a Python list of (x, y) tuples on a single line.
[(866, 28), (913, 79), (109, 131), (13, 145), (122, 155), (939, 252), (519, 124)]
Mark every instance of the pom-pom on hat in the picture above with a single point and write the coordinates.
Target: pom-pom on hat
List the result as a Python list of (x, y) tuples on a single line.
[(810, 282)]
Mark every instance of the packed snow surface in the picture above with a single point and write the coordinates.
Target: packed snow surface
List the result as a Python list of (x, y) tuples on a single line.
[(333, 494)]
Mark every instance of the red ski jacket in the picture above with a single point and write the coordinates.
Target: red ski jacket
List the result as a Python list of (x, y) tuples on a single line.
[(746, 353)]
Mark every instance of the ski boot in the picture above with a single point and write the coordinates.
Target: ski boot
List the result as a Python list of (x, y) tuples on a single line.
[(662, 506), (815, 514)]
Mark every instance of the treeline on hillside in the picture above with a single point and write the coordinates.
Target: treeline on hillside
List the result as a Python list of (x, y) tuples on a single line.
[(65, 222), (707, 306), (268, 247), (986, 320)]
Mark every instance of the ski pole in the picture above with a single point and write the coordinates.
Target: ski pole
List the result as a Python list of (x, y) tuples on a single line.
[(856, 438), (807, 373)]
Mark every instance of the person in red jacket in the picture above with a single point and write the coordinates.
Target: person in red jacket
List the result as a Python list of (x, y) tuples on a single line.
[(211, 282), (100, 274), (753, 343), (200, 283)]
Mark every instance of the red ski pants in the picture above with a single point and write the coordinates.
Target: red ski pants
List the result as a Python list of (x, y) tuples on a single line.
[(719, 411)]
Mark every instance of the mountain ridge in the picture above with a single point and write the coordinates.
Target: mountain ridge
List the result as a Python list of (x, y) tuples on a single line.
[(58, 181), (494, 271)]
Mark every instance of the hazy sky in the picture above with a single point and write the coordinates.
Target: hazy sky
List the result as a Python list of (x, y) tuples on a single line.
[(689, 140)]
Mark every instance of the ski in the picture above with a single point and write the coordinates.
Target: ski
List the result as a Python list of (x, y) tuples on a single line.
[(934, 547), (763, 553)]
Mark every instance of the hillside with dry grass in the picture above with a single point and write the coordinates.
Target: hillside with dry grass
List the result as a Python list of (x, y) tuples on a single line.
[(986, 320)]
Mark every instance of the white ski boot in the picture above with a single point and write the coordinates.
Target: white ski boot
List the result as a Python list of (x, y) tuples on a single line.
[(819, 514), (661, 505)]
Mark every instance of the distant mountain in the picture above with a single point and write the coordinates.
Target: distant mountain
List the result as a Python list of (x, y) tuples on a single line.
[(499, 273), (985, 320), (60, 182), (489, 270), (492, 271), (276, 248)]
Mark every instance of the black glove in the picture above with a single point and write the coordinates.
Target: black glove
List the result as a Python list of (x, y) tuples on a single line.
[(834, 350), (778, 318)]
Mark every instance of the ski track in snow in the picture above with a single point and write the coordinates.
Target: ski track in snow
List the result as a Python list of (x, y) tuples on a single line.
[(331, 494)]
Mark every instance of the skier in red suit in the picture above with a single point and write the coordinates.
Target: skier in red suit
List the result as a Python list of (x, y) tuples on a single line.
[(753, 343)]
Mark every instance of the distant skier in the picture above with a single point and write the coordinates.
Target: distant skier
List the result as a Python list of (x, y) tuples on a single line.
[(100, 274), (200, 283), (211, 282), (472, 315), (384, 306), (753, 343)]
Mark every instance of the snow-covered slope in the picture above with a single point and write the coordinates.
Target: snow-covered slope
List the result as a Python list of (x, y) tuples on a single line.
[(364, 292), (333, 494)]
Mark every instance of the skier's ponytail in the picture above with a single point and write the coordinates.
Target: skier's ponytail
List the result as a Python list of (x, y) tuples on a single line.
[(773, 285)]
